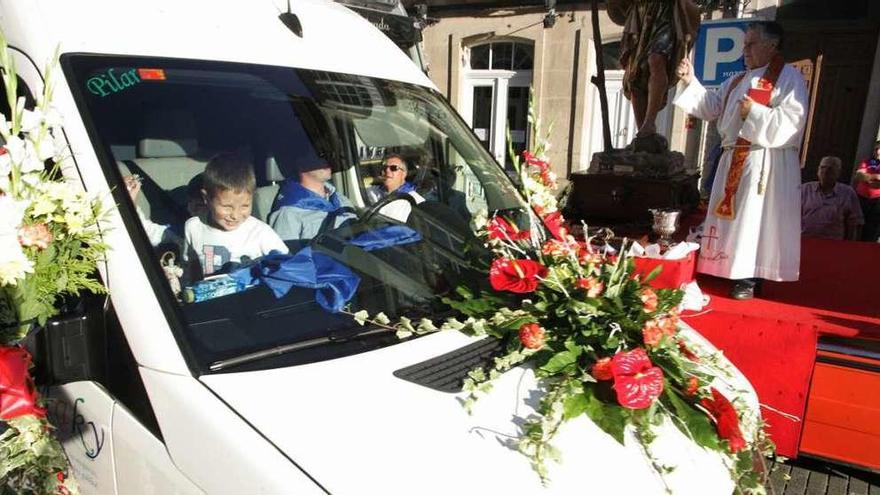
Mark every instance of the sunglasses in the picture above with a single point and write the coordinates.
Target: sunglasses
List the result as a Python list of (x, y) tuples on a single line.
[(393, 168)]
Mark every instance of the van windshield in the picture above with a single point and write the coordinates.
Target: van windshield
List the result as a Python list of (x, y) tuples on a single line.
[(362, 195)]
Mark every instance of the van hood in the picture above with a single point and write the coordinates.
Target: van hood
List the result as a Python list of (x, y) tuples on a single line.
[(356, 428)]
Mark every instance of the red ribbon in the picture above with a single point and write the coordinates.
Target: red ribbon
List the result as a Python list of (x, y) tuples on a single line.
[(18, 396)]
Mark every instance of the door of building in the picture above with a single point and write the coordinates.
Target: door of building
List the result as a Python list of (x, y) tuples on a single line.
[(495, 96), (843, 57)]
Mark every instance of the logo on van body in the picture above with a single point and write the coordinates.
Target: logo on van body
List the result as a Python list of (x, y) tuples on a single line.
[(110, 82)]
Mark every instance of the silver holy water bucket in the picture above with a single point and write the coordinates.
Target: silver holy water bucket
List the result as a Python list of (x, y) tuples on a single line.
[(665, 224)]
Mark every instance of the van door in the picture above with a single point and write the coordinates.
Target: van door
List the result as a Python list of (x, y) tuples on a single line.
[(95, 397)]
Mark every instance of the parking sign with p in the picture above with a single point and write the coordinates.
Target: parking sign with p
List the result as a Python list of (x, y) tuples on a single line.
[(718, 50)]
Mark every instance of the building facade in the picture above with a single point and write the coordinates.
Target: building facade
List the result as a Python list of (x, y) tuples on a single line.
[(485, 55)]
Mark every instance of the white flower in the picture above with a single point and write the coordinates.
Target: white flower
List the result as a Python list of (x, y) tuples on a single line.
[(14, 264), (31, 161), (31, 120), (11, 213), (15, 148), (53, 117), (44, 148), (5, 164)]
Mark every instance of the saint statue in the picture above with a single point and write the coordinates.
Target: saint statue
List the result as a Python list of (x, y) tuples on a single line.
[(657, 34)]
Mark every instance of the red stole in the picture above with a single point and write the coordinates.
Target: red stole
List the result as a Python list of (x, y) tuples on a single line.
[(760, 95)]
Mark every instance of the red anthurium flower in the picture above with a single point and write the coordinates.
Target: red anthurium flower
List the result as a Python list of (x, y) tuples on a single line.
[(502, 229), (602, 369), (531, 335), (556, 225), (726, 420), (637, 383), (520, 276), (18, 397), (649, 300)]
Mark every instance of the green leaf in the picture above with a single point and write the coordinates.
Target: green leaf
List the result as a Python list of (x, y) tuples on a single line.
[(575, 405), (611, 418), (559, 362), (654, 273)]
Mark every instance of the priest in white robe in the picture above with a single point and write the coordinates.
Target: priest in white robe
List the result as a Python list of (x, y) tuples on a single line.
[(752, 228)]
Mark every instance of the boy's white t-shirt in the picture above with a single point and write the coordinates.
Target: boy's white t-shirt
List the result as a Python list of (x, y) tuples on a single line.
[(215, 247)]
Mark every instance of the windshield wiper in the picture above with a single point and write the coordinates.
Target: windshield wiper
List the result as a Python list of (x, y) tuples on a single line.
[(334, 337)]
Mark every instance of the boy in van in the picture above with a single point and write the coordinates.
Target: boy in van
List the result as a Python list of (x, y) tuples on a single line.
[(227, 232)]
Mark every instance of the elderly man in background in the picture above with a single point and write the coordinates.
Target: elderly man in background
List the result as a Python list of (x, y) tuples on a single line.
[(829, 209), (752, 228)]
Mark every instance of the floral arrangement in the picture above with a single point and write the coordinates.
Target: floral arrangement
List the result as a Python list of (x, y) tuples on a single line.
[(49, 247), (603, 342)]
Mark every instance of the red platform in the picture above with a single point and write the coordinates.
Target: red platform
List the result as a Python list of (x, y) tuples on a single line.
[(773, 339)]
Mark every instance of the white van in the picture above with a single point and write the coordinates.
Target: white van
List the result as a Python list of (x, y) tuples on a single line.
[(249, 393)]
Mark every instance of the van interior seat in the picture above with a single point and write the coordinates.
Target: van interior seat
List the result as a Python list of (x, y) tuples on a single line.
[(167, 156), (264, 196)]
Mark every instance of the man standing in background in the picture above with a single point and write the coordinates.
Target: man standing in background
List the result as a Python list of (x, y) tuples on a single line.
[(752, 228)]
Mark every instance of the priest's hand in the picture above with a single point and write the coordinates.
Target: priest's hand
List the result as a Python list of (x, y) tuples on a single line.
[(685, 71), (745, 104)]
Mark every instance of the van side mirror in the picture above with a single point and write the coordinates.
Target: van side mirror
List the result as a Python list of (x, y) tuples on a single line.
[(70, 347)]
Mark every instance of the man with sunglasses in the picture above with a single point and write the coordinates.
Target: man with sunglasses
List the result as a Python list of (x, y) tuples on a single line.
[(394, 170)]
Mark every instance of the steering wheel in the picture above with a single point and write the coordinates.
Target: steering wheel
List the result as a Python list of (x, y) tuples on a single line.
[(371, 211)]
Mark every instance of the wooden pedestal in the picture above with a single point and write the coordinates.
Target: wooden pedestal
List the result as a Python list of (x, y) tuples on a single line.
[(619, 198)]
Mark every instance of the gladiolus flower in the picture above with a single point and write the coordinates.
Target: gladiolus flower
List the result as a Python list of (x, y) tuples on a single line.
[(649, 300), (502, 229), (35, 235), (726, 420), (520, 276), (602, 369), (556, 225), (531, 335), (637, 383)]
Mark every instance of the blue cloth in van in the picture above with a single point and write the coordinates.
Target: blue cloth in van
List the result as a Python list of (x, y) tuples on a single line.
[(334, 283)]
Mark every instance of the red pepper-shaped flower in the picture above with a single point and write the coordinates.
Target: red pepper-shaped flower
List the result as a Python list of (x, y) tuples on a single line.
[(726, 420), (520, 276), (637, 383), (532, 336), (18, 397), (602, 369), (502, 229), (556, 225)]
